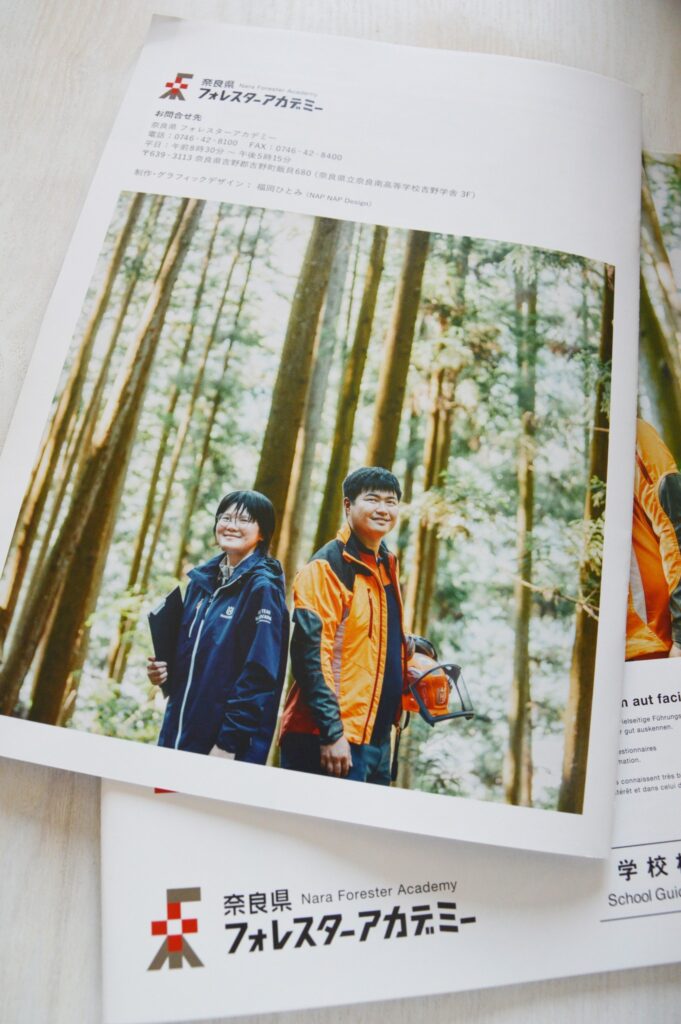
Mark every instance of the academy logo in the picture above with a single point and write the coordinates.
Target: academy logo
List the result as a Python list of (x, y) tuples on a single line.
[(175, 948), (175, 88)]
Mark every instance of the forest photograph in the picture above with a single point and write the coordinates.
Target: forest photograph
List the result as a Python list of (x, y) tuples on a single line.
[(226, 349), (654, 605)]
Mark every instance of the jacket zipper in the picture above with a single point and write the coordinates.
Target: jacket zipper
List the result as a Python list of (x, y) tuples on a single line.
[(196, 613), (193, 658), (380, 627), (373, 692), (189, 683), (376, 575), (371, 617)]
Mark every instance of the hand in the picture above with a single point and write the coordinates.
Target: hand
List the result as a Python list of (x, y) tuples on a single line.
[(336, 758), (675, 651), (219, 752), (157, 671)]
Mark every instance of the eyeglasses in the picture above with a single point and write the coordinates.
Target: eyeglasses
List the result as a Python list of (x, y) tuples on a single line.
[(231, 520)]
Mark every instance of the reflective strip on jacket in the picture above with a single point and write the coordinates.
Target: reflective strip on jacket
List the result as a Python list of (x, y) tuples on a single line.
[(339, 643), (654, 606)]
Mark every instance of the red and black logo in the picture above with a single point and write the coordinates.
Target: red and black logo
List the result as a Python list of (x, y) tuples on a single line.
[(175, 948), (175, 88)]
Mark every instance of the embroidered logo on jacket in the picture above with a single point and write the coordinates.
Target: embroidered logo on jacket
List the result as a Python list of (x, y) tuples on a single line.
[(228, 612), (264, 615)]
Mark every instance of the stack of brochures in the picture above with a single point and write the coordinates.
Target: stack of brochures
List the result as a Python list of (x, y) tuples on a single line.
[(317, 530)]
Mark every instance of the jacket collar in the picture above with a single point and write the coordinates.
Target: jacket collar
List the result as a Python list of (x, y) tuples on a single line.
[(206, 574), (354, 547)]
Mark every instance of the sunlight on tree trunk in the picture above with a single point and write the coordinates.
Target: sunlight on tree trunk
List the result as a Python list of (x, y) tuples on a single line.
[(519, 714), (293, 526), (67, 408), (346, 410), (293, 379), (578, 710), (84, 429), (395, 363), (123, 408)]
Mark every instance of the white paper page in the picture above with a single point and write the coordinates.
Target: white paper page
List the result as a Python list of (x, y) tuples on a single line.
[(532, 156), (477, 917)]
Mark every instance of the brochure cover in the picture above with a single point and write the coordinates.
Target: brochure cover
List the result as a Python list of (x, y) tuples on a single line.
[(232, 910), (280, 913), (351, 359)]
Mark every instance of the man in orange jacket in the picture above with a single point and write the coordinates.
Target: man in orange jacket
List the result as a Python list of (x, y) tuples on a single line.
[(348, 648), (654, 609)]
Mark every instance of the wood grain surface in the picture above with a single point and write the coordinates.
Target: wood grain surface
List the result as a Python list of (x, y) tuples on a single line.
[(63, 72)]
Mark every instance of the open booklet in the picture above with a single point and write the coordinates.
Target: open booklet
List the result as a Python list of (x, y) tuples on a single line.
[(280, 913), (344, 301)]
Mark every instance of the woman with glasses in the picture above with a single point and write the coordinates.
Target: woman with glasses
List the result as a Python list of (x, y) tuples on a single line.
[(225, 681)]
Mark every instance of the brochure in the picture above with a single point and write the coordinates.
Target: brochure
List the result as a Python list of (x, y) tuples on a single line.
[(349, 357), (232, 910), (279, 913)]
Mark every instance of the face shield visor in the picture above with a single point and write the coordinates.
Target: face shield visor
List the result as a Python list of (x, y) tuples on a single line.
[(436, 690)]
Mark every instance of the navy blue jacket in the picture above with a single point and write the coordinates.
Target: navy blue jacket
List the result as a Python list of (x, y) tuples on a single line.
[(226, 679)]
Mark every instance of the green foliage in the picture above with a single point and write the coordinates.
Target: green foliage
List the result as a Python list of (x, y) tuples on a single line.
[(109, 712)]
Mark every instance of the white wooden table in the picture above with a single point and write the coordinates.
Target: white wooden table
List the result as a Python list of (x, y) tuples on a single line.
[(63, 72)]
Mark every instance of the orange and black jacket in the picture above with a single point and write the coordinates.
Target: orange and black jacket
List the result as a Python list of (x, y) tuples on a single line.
[(654, 609), (339, 643)]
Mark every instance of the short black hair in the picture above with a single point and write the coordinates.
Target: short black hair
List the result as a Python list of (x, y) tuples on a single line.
[(257, 506), (370, 478)]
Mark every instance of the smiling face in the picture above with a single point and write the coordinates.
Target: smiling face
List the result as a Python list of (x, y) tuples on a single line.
[(237, 534), (372, 515)]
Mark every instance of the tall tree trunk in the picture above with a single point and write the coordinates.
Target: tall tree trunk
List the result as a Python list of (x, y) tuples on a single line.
[(64, 648), (330, 511), (62, 653), (351, 297), (395, 365), (94, 400), (652, 232), (414, 587), (293, 527), (526, 768), (82, 437), (661, 372), (122, 412), (585, 352), (578, 710), (195, 479), (422, 577), (67, 408), (120, 647), (519, 713), (171, 405), (293, 378), (423, 567), (414, 455), (443, 445)]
